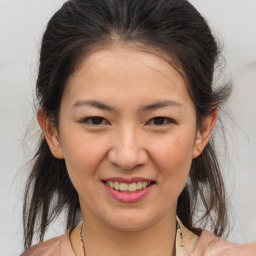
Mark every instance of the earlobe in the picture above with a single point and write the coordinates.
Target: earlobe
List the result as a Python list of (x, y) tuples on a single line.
[(50, 132), (204, 133)]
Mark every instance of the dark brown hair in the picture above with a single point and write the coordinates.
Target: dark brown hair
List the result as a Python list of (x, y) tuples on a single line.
[(174, 27)]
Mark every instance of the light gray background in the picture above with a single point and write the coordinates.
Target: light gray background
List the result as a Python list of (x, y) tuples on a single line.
[(22, 23)]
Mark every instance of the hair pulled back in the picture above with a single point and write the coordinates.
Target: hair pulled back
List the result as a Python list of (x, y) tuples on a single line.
[(174, 27)]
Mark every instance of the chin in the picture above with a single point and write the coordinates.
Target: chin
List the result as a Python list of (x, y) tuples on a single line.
[(130, 222)]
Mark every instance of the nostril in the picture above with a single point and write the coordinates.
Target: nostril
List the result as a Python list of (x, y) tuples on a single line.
[(127, 158)]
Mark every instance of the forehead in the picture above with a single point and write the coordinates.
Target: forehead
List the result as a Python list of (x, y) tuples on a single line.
[(122, 55), (124, 68)]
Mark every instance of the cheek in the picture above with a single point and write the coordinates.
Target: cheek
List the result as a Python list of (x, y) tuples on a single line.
[(174, 157), (82, 155), (82, 159), (174, 150)]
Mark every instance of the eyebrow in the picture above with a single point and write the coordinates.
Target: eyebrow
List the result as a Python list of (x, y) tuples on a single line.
[(146, 108), (94, 103), (160, 104)]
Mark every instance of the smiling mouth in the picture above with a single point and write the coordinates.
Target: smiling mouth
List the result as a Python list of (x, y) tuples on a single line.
[(128, 187)]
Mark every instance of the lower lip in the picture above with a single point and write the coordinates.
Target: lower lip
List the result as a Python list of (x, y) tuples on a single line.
[(129, 197)]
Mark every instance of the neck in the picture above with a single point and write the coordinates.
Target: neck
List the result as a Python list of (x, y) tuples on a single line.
[(158, 239)]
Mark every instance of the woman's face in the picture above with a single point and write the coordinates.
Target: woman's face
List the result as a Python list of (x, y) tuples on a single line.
[(126, 121)]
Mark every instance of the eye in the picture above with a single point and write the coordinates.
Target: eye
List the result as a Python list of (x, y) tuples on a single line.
[(95, 120), (161, 121)]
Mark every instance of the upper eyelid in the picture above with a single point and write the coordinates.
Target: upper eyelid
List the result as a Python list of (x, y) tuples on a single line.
[(83, 120), (87, 119), (166, 118)]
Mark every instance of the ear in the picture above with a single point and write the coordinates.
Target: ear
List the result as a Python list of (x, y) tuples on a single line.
[(204, 133), (50, 132)]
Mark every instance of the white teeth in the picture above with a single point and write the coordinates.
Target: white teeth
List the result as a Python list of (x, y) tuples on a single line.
[(111, 184), (123, 187), (116, 185), (131, 187), (139, 185)]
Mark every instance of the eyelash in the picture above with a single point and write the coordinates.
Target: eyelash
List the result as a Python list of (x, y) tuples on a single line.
[(89, 120), (164, 120), (99, 121)]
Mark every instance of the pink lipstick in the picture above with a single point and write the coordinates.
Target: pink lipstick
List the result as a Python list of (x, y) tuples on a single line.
[(128, 190)]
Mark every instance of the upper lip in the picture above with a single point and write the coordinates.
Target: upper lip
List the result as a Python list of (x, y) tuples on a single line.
[(128, 180)]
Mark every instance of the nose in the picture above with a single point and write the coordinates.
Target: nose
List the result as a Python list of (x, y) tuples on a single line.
[(128, 150)]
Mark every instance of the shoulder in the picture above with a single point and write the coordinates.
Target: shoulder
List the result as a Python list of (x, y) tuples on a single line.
[(208, 244), (57, 246)]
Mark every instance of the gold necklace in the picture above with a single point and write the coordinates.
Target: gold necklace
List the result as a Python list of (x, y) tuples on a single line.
[(177, 228), (82, 239)]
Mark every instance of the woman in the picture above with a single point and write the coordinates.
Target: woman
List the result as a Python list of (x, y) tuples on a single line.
[(127, 107)]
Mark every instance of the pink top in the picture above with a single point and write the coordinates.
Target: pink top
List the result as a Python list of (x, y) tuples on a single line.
[(206, 245)]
